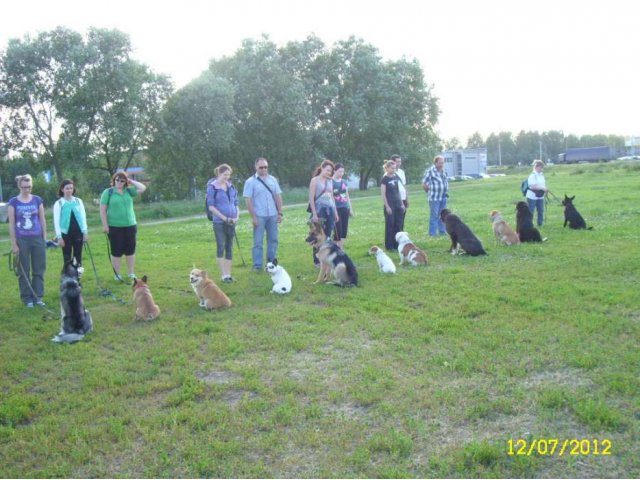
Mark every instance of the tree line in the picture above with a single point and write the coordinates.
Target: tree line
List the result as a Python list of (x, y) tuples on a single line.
[(507, 148), (82, 107)]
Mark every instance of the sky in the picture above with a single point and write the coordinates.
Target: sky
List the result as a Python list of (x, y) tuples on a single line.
[(494, 65)]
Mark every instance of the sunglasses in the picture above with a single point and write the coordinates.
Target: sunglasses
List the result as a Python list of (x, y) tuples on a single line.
[(121, 180), (263, 168)]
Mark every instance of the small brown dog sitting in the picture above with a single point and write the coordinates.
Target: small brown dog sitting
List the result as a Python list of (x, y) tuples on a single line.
[(208, 293), (146, 308), (504, 233)]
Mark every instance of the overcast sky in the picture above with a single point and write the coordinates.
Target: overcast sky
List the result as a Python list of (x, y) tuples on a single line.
[(494, 65)]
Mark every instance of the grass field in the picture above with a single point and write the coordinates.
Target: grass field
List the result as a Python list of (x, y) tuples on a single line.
[(428, 373)]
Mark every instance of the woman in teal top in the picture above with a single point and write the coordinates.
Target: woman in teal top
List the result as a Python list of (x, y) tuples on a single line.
[(119, 220), (70, 222)]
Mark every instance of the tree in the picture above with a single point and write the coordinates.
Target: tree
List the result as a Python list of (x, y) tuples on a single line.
[(452, 143), (196, 133), (501, 149), (377, 109), (124, 126), (37, 79), (71, 100), (475, 141), (554, 143), (272, 114)]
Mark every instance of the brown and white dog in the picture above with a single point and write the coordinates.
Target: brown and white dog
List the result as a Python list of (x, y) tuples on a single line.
[(146, 308), (504, 233), (409, 252), (385, 264), (208, 293)]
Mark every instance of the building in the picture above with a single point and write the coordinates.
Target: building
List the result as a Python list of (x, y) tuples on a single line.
[(470, 161), (632, 144)]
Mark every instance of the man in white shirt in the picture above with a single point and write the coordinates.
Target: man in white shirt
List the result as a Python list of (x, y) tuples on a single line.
[(403, 181)]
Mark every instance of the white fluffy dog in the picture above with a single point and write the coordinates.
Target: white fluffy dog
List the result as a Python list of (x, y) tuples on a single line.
[(385, 264), (279, 276), (409, 252)]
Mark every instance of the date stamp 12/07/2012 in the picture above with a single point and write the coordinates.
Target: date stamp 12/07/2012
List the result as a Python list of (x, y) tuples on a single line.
[(560, 447)]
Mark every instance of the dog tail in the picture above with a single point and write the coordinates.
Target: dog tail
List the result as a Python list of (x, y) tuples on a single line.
[(351, 271)]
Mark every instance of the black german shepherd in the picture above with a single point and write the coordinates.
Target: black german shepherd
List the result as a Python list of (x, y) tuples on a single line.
[(76, 320), (524, 224), (571, 215), (461, 235), (333, 261)]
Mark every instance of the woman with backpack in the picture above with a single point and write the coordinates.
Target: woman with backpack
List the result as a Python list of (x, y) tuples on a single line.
[(222, 202), (119, 221), (536, 190)]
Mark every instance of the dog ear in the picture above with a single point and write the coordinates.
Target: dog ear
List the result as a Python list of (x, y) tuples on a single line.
[(144, 278), (275, 262), (572, 198)]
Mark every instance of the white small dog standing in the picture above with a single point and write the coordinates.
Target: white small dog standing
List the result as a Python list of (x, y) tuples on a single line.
[(279, 276), (385, 264)]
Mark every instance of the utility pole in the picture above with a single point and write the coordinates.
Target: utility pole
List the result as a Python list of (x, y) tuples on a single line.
[(499, 153), (540, 142)]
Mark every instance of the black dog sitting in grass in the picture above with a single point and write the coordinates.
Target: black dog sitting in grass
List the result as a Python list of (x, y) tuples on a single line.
[(572, 216), (461, 235), (76, 319)]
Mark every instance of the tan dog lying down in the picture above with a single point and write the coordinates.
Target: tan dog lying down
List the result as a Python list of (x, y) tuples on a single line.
[(208, 293)]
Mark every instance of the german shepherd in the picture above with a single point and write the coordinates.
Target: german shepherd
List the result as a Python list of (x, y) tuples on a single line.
[(572, 216), (333, 261), (76, 320), (461, 235), (524, 224)]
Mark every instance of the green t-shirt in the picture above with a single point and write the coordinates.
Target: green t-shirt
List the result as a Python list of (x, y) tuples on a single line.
[(120, 207)]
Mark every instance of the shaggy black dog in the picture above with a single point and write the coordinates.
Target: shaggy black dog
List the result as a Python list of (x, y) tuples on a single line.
[(461, 235), (76, 320), (524, 224), (571, 215)]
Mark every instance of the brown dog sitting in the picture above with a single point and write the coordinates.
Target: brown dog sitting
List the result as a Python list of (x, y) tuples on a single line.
[(208, 293), (503, 232), (146, 308)]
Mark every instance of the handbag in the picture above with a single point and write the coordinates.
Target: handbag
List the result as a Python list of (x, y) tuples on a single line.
[(315, 200)]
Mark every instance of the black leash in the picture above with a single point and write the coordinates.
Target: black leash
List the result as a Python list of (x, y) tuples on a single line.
[(103, 292), (109, 258), (13, 267), (549, 192), (235, 234)]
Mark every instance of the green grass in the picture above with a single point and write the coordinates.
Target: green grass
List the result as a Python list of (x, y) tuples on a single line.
[(426, 373)]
